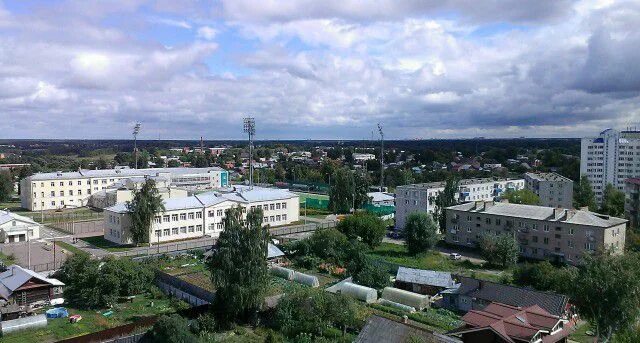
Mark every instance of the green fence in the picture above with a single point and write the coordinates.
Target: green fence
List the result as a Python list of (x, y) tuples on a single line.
[(379, 210), (318, 204)]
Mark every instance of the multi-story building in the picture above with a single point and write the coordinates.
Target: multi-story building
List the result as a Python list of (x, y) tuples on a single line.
[(203, 214), (358, 157), (558, 234), (554, 190), (421, 197), (632, 201), (611, 157), (50, 191)]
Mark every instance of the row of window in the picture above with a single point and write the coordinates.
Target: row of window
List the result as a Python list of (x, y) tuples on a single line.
[(62, 193), (177, 216), (271, 207), (70, 183), (180, 230)]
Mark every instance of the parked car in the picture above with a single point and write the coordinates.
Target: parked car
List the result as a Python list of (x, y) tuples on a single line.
[(454, 256)]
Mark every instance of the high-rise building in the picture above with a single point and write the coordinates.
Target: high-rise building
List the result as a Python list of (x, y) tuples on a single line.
[(610, 158)]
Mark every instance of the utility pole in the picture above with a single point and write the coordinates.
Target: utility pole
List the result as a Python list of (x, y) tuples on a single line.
[(136, 130), (250, 129), (381, 158)]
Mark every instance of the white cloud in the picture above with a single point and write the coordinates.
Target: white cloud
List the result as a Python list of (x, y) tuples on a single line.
[(207, 32)]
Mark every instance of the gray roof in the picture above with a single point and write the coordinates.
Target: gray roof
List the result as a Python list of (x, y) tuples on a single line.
[(273, 251), (383, 330), (547, 177), (463, 182), (6, 216), (511, 295), (15, 276), (256, 194), (89, 173), (425, 277), (578, 217)]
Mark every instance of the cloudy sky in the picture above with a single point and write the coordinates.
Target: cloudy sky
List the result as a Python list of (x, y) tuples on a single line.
[(318, 69)]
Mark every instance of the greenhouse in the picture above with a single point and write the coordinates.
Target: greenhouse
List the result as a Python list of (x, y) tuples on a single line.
[(306, 279), (366, 294), (31, 322), (418, 301), (282, 272), (399, 306)]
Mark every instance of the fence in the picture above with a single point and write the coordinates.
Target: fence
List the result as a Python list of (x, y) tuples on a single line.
[(318, 204), (381, 210), (119, 332), (287, 230), (194, 295), (62, 217), (169, 248), (78, 228), (46, 267)]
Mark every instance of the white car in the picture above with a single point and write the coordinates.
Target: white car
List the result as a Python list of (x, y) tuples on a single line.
[(455, 256)]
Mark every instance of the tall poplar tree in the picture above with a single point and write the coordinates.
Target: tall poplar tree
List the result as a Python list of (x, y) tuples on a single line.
[(146, 204)]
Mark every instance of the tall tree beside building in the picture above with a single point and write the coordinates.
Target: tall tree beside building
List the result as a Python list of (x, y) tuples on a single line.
[(612, 201), (443, 200), (522, 196), (363, 226), (583, 194), (607, 293), (348, 190), (6, 186), (501, 250), (239, 265), (146, 204), (421, 232)]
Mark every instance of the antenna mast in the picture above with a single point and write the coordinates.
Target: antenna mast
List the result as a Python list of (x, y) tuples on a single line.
[(136, 130), (381, 158), (250, 129)]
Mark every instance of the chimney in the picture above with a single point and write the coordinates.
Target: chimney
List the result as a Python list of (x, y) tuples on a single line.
[(479, 205)]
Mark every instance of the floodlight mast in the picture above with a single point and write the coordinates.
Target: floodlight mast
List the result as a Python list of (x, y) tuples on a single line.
[(250, 129), (136, 130), (381, 158)]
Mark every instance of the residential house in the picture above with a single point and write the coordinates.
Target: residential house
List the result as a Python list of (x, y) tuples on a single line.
[(23, 287), (17, 228), (428, 282), (383, 330)]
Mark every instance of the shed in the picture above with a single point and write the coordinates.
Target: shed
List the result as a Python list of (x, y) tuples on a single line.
[(401, 296), (429, 282), (366, 294)]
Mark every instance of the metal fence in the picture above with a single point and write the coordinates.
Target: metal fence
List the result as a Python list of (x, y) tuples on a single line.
[(193, 294), (287, 230), (64, 217), (46, 267), (119, 332), (168, 248), (77, 228)]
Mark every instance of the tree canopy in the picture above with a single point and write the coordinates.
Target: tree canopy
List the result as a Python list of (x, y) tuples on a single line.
[(146, 204), (239, 264), (364, 226), (583, 195), (499, 250), (421, 232), (612, 201), (443, 200), (6, 185), (521, 196), (348, 190), (171, 329)]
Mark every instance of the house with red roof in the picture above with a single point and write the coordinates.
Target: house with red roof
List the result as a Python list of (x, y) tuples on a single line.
[(510, 324)]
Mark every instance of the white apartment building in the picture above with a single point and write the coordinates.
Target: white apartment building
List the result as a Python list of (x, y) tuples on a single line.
[(203, 214), (421, 197), (357, 157), (554, 190), (611, 157), (51, 191)]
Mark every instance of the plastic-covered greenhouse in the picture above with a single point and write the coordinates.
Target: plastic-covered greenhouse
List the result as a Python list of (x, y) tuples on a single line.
[(366, 294), (418, 301), (399, 306), (31, 322), (306, 279), (282, 272)]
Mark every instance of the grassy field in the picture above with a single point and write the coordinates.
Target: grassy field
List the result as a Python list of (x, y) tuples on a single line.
[(304, 196), (100, 242), (92, 321), (580, 335), (70, 248), (432, 260), (13, 206)]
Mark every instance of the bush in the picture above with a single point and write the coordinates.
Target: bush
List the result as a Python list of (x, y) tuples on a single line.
[(372, 274), (544, 276), (364, 226), (206, 323), (421, 232), (171, 329)]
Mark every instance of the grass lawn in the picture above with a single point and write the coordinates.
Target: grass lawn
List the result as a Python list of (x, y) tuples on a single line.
[(432, 260), (182, 264), (7, 260), (304, 196), (13, 206), (92, 321), (580, 335), (70, 248), (102, 243)]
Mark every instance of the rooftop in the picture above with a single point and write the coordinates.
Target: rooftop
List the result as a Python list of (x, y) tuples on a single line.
[(383, 330), (6, 216), (89, 173), (426, 277), (15, 276), (547, 177), (464, 182), (570, 216)]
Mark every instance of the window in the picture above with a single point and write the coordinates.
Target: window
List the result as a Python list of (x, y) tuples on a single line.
[(166, 218), (71, 192), (158, 233), (70, 183), (546, 227), (284, 217), (212, 213), (284, 205), (199, 228), (219, 213), (272, 207), (183, 216), (61, 183), (61, 193), (272, 218), (192, 215), (174, 231), (487, 220), (277, 206), (183, 229), (278, 218), (570, 243), (53, 184), (89, 191), (498, 221), (79, 183), (53, 193), (265, 219), (53, 203), (174, 217), (546, 240), (199, 215), (166, 232), (157, 220), (260, 207), (79, 191), (571, 231), (191, 228)]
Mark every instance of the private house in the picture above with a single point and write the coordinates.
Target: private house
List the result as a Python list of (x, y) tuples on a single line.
[(17, 228), (502, 323), (20, 287), (383, 330), (427, 282), (475, 294)]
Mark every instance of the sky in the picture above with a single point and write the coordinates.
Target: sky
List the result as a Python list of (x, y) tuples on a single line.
[(330, 69)]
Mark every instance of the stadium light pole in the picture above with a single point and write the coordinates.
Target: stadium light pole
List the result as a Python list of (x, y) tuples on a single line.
[(250, 129), (381, 158), (136, 130)]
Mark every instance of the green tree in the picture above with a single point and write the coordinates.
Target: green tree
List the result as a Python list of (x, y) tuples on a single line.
[(607, 292), (443, 200), (521, 196), (6, 186), (364, 226), (368, 273), (500, 250), (239, 265), (583, 195), (348, 190), (612, 201), (328, 245), (421, 232), (171, 329), (146, 204), (544, 276)]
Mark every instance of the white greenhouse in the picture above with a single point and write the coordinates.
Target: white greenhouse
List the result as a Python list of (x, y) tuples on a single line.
[(415, 300), (306, 279), (366, 294), (282, 272), (399, 306)]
